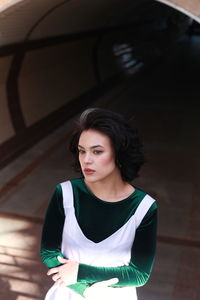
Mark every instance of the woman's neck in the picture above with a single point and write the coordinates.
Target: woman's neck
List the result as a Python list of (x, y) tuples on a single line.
[(111, 190)]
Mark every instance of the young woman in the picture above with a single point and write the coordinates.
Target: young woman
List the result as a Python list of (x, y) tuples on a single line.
[(99, 234)]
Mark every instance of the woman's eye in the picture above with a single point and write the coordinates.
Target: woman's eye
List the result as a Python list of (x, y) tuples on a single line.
[(97, 152), (81, 151)]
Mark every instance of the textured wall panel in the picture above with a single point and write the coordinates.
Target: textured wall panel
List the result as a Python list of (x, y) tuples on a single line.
[(43, 80), (80, 16), (6, 128), (53, 76), (39, 19), (17, 20)]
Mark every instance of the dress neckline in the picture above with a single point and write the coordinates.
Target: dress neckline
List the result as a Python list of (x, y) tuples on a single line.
[(108, 202), (106, 240)]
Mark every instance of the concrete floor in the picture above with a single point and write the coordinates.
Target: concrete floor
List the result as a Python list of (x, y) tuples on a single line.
[(165, 104)]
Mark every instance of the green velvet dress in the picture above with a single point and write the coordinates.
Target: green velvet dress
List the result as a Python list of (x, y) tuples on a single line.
[(98, 221)]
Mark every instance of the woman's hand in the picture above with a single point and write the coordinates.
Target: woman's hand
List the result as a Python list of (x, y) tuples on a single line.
[(65, 274), (101, 290)]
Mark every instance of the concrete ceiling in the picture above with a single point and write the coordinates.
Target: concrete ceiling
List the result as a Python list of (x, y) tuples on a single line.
[(52, 52), (37, 19), (188, 7), (22, 20)]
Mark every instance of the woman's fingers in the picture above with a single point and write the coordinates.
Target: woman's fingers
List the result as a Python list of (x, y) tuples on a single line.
[(55, 270), (67, 272), (62, 260), (56, 277), (106, 283), (101, 290), (52, 271)]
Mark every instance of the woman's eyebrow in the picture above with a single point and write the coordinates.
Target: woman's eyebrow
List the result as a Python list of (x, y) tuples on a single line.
[(92, 147), (96, 146)]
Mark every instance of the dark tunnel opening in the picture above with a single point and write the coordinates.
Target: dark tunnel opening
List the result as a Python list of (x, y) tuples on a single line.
[(131, 40)]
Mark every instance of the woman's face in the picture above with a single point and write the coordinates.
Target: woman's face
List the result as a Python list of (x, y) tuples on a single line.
[(96, 156)]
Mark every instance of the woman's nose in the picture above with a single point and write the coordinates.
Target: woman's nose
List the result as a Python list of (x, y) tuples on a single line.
[(87, 158)]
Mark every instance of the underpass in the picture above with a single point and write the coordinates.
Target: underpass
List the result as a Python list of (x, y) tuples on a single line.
[(161, 97)]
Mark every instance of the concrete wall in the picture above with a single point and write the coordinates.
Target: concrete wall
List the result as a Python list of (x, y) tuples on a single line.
[(41, 79), (51, 77), (53, 56), (6, 127)]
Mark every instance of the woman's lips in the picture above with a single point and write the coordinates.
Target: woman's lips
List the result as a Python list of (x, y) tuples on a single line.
[(89, 171)]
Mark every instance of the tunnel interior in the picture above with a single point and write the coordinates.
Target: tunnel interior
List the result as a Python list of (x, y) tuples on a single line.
[(139, 58), (55, 59)]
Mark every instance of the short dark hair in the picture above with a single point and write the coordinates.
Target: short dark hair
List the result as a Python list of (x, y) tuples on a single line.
[(124, 138)]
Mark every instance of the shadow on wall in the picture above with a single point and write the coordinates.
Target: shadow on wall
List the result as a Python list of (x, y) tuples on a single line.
[(22, 275), (6, 292)]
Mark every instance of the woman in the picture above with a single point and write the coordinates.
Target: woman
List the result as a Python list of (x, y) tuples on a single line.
[(99, 234)]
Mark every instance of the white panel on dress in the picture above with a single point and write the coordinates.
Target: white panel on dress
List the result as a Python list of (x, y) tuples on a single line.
[(113, 251)]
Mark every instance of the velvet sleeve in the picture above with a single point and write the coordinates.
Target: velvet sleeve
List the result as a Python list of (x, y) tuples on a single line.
[(52, 236), (52, 230), (142, 257), (142, 252)]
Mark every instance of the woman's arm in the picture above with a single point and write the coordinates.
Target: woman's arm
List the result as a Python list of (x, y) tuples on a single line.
[(52, 230), (142, 253), (52, 237), (142, 256)]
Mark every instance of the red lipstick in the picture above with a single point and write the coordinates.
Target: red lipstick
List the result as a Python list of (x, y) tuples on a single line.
[(88, 171)]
